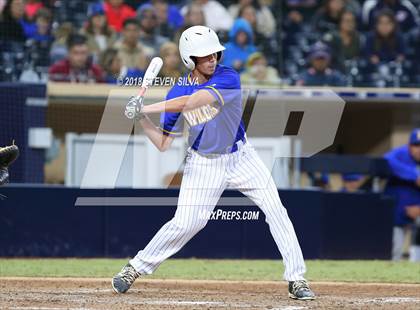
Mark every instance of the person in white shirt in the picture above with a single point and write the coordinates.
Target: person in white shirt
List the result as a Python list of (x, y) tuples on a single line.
[(216, 15)]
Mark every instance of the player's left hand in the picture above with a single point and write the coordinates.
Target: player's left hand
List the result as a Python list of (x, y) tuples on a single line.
[(134, 107), (8, 155)]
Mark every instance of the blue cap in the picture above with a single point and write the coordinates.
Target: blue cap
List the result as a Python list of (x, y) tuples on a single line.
[(145, 7), (319, 50), (415, 136), (95, 9), (349, 177)]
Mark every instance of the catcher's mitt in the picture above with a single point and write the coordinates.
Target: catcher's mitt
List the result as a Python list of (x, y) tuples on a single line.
[(8, 155)]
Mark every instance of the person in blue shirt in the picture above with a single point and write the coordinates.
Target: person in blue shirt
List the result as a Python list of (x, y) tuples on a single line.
[(404, 185), (240, 45), (209, 101), (43, 26)]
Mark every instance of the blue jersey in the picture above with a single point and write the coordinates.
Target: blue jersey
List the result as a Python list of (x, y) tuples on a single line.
[(402, 164), (220, 134), (405, 171)]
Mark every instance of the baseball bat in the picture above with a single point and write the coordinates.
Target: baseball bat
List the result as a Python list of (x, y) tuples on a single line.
[(151, 72)]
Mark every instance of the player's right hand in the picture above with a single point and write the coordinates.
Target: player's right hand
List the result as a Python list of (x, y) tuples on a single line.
[(134, 107)]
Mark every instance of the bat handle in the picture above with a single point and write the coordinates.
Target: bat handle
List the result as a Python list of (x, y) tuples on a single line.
[(142, 91)]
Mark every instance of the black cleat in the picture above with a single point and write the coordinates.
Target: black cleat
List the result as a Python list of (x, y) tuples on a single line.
[(123, 280), (300, 290)]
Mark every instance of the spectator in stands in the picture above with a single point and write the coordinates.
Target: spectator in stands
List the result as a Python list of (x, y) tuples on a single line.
[(194, 16), (216, 15), (59, 47), (77, 67), (404, 185), (240, 45), (172, 66), (28, 21), (43, 19), (406, 14), (319, 73), (169, 18), (385, 43), (32, 7), (148, 26), (40, 45), (294, 23), (265, 41), (99, 34), (300, 10), (11, 23), (117, 12), (345, 42), (328, 16), (130, 50), (250, 15), (265, 23), (305, 16), (258, 72), (115, 72), (111, 64), (353, 6)]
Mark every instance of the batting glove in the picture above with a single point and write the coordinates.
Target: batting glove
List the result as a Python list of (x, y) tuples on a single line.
[(134, 107)]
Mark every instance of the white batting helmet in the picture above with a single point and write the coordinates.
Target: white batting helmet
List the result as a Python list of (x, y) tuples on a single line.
[(198, 41)]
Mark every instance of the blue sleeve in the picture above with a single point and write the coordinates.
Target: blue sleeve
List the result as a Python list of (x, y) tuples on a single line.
[(401, 167), (225, 86), (171, 123)]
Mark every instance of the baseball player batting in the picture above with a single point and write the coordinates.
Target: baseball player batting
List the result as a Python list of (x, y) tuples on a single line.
[(219, 157)]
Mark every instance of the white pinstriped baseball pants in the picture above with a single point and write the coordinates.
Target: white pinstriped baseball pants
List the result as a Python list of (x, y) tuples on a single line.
[(203, 182)]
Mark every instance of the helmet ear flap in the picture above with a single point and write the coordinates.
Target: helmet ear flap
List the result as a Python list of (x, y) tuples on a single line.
[(192, 62), (189, 63)]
